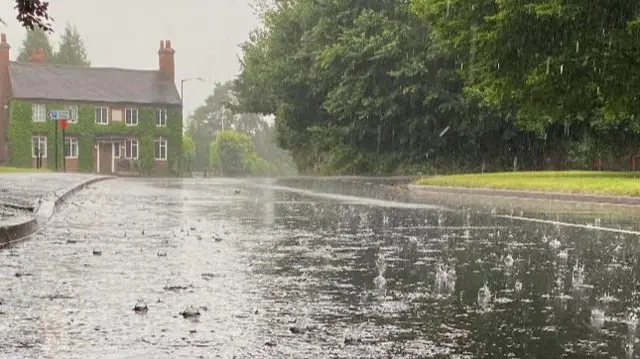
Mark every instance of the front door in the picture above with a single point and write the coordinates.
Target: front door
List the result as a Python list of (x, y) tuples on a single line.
[(104, 158)]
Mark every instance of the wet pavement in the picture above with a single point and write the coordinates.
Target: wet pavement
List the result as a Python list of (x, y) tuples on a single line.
[(24, 190), (275, 273)]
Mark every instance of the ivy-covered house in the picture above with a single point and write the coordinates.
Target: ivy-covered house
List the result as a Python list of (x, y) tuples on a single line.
[(122, 120)]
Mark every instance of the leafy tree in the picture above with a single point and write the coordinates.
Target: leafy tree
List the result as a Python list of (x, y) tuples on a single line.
[(567, 71), (548, 61), (35, 39), (233, 154), (208, 120), (218, 114), (363, 88), (33, 14), (444, 85), (71, 50)]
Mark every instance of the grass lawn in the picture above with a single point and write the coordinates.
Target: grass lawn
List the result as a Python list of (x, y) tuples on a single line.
[(4, 169), (587, 182)]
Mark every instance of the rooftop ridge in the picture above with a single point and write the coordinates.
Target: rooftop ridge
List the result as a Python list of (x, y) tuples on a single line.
[(91, 84), (77, 67)]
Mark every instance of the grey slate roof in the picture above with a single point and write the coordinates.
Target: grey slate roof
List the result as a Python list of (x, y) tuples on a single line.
[(91, 84)]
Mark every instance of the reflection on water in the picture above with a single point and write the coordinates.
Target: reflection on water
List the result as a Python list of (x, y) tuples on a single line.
[(456, 283), (278, 274)]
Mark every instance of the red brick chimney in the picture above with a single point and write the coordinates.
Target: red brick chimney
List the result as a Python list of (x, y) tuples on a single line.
[(4, 50), (37, 56), (166, 62), (5, 93)]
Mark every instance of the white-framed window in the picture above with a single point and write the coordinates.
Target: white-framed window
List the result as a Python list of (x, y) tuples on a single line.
[(73, 113), (116, 149), (160, 152), (131, 116), (71, 147), (161, 117), (131, 149), (102, 115), (39, 112), (39, 146)]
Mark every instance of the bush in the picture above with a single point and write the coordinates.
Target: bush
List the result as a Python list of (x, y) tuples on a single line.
[(188, 153), (233, 154)]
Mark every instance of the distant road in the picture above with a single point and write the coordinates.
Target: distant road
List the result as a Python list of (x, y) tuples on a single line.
[(390, 180)]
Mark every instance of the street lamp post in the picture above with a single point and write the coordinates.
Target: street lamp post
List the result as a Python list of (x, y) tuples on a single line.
[(182, 91)]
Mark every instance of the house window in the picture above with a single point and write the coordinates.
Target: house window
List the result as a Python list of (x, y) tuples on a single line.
[(131, 149), (161, 149), (39, 146), (39, 112), (71, 147), (102, 115), (116, 149), (131, 116), (73, 114), (161, 117)]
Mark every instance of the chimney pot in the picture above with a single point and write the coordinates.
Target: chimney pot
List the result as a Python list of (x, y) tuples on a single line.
[(167, 44), (161, 44), (3, 38), (37, 56)]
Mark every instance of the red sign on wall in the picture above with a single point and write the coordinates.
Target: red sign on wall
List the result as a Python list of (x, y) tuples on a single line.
[(63, 124)]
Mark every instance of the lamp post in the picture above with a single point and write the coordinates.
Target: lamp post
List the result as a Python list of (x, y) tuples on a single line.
[(182, 92)]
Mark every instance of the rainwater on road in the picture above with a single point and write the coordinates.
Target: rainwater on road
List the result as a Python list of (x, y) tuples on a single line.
[(275, 273)]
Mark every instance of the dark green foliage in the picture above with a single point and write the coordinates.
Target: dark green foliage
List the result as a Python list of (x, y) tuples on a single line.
[(444, 85), (33, 14)]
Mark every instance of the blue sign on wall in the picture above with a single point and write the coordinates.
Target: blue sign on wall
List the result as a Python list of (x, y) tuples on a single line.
[(58, 115)]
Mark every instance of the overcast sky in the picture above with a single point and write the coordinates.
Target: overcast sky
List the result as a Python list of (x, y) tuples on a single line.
[(127, 33)]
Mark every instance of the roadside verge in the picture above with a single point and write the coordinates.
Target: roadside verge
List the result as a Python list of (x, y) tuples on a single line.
[(521, 194), (17, 228)]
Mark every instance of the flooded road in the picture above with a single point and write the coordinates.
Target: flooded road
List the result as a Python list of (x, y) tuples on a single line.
[(275, 273)]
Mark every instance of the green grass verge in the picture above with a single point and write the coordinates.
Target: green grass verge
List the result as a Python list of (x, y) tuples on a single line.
[(4, 169), (586, 182)]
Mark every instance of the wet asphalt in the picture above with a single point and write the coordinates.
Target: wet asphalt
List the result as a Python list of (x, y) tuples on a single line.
[(274, 273)]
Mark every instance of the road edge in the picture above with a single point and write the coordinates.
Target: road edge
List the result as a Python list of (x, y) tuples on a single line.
[(24, 226), (521, 194)]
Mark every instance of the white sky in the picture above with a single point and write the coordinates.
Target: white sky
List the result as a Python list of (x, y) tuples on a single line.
[(126, 33)]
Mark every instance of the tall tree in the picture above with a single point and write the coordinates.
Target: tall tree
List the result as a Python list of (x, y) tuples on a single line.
[(71, 50), (551, 61), (361, 87), (208, 120), (35, 39)]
